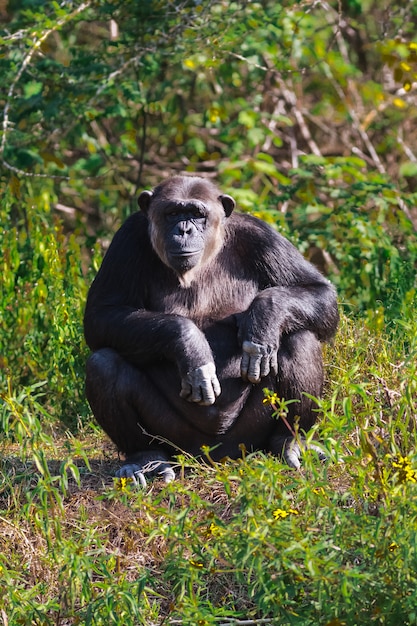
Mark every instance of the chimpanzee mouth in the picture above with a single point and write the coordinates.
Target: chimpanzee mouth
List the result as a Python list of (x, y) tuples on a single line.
[(185, 253)]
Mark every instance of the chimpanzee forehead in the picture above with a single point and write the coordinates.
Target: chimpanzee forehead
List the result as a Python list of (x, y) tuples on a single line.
[(183, 206), (187, 188)]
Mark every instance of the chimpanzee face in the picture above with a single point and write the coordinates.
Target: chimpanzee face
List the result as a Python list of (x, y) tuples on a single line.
[(183, 225), (186, 222)]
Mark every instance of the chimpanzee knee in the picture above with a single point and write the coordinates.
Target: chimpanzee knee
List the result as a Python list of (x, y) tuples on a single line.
[(110, 382), (102, 366), (300, 372)]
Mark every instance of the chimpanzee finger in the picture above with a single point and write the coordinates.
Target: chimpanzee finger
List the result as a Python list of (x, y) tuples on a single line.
[(274, 363), (216, 386), (185, 390), (254, 371), (244, 365), (139, 478), (265, 366), (167, 474), (292, 453)]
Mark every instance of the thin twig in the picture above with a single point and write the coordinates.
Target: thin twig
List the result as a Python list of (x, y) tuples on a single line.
[(230, 621), (355, 120), (116, 73), (18, 531), (36, 46), (408, 152)]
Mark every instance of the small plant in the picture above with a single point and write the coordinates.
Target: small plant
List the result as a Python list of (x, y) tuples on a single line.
[(280, 409), (42, 301)]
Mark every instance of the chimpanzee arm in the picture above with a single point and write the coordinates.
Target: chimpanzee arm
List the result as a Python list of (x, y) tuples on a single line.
[(279, 310), (142, 337), (296, 297), (116, 317)]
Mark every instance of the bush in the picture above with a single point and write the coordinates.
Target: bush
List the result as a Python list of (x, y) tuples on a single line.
[(43, 297)]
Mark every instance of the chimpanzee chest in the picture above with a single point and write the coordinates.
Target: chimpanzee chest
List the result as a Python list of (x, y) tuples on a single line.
[(210, 300)]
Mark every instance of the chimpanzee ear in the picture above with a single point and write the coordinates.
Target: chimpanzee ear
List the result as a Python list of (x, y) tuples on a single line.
[(144, 200), (228, 204)]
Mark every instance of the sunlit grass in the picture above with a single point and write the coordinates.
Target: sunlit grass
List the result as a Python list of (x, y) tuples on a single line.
[(249, 540), (245, 539)]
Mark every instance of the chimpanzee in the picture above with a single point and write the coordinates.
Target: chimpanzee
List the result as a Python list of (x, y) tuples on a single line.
[(194, 311)]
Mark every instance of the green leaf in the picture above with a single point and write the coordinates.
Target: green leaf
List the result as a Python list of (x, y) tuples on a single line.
[(408, 169)]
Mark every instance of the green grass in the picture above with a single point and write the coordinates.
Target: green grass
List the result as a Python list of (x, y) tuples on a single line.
[(331, 544), (248, 542)]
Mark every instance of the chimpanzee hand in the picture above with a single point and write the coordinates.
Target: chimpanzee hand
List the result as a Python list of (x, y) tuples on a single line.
[(258, 361), (201, 385)]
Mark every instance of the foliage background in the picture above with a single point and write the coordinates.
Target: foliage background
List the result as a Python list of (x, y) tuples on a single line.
[(306, 113)]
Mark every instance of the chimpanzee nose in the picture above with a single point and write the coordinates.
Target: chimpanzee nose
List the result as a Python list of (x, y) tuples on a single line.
[(185, 228)]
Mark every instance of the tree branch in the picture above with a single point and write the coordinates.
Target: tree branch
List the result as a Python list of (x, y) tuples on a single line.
[(26, 61)]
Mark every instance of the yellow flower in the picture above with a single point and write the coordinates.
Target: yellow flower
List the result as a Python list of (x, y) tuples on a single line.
[(215, 531), (405, 472), (393, 546), (214, 114), (122, 484), (400, 461), (400, 104), (282, 514), (270, 397)]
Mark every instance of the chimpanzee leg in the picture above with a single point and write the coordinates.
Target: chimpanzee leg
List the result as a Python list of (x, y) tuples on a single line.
[(109, 386), (128, 407), (300, 371)]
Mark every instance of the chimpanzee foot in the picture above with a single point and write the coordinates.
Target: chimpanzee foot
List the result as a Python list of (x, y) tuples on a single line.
[(291, 450), (144, 465)]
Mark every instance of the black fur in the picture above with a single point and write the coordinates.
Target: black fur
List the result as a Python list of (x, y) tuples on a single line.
[(150, 323)]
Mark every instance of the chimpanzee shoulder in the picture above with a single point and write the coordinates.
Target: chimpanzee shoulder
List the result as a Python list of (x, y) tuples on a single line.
[(265, 253), (131, 248), (247, 231)]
